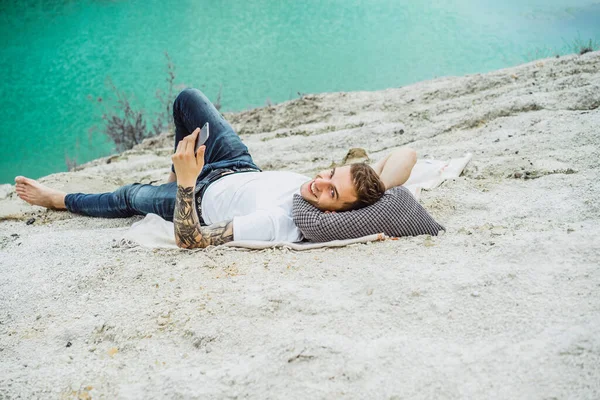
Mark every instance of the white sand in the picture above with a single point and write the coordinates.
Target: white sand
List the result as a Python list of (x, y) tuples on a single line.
[(505, 305)]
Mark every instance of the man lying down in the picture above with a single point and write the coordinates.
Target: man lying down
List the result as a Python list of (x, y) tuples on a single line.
[(219, 194)]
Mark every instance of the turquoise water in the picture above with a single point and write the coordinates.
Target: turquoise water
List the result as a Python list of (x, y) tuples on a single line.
[(56, 55)]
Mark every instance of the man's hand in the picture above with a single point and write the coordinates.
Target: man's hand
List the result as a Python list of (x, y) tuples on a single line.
[(187, 164)]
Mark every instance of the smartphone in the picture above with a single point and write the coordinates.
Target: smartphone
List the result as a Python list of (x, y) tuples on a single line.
[(202, 137)]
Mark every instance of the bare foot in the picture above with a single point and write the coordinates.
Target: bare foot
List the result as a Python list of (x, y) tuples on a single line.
[(37, 194)]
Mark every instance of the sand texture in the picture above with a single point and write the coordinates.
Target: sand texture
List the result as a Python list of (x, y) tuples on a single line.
[(505, 305)]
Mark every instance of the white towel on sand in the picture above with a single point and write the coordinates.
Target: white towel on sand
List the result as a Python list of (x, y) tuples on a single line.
[(429, 174), (155, 232)]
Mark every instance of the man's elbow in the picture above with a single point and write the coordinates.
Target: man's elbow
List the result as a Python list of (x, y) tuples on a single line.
[(413, 156), (410, 155), (182, 244)]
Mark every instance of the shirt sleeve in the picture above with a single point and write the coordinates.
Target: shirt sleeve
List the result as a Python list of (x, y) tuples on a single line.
[(272, 225)]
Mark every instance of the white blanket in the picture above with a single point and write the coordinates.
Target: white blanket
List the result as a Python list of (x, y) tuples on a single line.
[(155, 232), (429, 174)]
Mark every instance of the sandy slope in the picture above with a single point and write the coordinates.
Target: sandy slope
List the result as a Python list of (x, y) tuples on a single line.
[(505, 305)]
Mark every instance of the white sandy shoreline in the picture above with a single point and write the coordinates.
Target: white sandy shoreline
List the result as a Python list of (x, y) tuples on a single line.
[(505, 305)]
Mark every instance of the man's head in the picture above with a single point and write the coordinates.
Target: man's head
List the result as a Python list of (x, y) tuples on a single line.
[(344, 188)]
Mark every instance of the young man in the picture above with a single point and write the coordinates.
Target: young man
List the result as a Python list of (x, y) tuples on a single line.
[(219, 194)]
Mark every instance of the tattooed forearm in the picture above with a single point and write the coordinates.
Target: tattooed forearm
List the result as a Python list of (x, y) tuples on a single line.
[(188, 231), (185, 218)]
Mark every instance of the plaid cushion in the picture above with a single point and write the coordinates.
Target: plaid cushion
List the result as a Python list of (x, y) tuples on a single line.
[(397, 214)]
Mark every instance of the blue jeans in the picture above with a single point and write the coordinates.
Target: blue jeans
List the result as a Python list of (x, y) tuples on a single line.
[(224, 149)]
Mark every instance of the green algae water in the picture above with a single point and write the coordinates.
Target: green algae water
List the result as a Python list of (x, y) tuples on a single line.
[(57, 55)]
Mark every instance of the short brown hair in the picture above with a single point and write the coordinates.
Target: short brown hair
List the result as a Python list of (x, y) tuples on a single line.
[(369, 188)]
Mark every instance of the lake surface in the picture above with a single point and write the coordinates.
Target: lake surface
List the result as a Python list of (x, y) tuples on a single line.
[(57, 55)]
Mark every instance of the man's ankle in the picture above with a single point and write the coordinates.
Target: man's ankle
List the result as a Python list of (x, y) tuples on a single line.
[(58, 201)]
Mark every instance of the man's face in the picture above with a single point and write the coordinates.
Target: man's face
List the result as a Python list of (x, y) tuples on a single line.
[(331, 190)]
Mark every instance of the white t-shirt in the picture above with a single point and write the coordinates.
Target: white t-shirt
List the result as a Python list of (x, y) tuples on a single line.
[(260, 204)]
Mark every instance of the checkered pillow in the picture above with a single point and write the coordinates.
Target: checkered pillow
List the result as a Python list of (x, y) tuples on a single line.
[(397, 213)]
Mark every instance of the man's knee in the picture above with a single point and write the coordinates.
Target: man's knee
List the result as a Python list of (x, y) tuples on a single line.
[(125, 194), (187, 95)]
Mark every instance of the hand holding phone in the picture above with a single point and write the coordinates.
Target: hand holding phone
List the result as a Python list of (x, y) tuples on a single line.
[(202, 137), (187, 160)]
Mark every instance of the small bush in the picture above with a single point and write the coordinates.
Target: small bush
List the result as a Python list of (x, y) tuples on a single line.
[(576, 46), (164, 119), (127, 126), (72, 163), (581, 47), (217, 103)]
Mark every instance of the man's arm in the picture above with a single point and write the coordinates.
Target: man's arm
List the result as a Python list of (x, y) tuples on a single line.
[(394, 169), (189, 233)]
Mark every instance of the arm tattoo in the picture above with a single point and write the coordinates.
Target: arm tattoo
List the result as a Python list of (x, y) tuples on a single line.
[(189, 233)]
